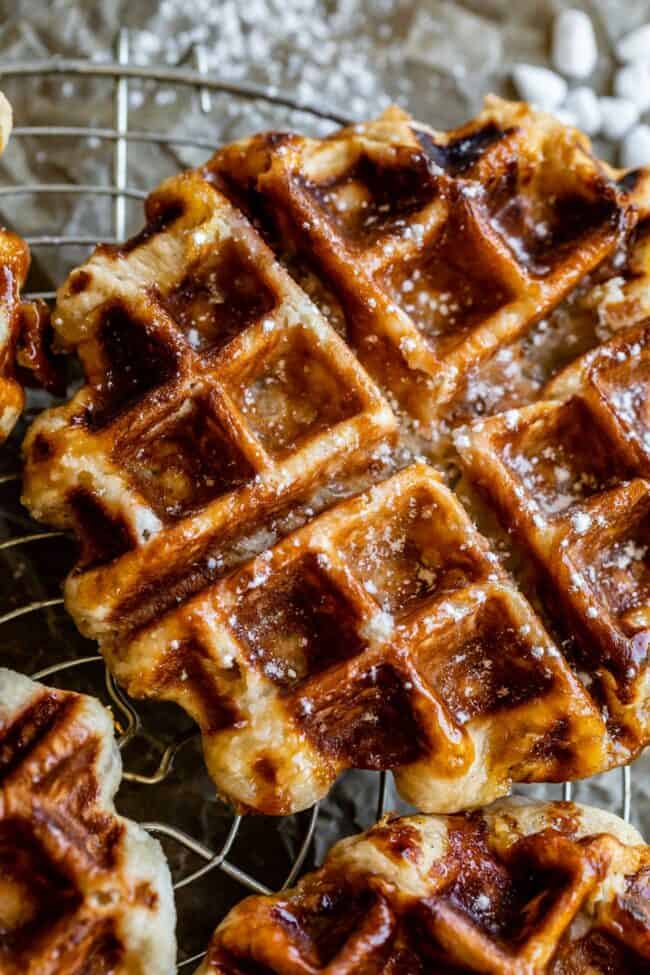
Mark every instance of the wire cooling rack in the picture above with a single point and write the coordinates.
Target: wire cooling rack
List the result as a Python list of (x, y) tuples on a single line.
[(120, 72)]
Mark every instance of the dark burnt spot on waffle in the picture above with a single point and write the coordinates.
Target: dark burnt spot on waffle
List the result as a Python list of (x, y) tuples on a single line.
[(185, 461), (328, 918), (150, 599), (161, 214), (265, 767), (79, 281), (555, 740), (103, 536), (501, 905), (560, 459), (642, 229), (295, 623), (290, 391), (188, 664), (398, 839), (35, 893), (43, 448), (599, 953), (36, 365), (482, 888), (105, 952), (219, 297), (29, 728), (489, 665), (369, 719), (460, 154), (137, 362), (542, 230), (146, 896), (451, 286), (373, 199)]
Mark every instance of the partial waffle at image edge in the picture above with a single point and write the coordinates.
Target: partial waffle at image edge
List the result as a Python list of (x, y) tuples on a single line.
[(24, 325), (82, 886), (253, 390), (521, 886)]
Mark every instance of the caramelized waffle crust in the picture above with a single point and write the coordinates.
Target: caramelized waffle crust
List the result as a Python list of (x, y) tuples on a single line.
[(521, 888), (274, 365), (82, 890), (24, 326), (14, 262)]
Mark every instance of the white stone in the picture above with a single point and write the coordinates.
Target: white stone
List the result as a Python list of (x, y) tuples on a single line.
[(635, 148), (633, 82), (634, 46), (618, 116), (542, 87), (574, 50), (582, 103)]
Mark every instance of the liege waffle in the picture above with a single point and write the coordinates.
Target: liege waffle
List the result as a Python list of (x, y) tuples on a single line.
[(82, 890), (24, 326), (569, 476), (216, 394), (14, 262), (520, 888), (381, 635), (208, 462), (440, 248)]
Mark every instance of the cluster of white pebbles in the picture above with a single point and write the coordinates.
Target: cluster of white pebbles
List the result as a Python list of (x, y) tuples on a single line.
[(564, 91)]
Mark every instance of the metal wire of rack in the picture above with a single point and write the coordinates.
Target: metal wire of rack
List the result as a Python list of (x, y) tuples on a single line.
[(121, 71)]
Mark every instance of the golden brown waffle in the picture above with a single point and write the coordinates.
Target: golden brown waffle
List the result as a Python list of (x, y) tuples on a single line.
[(23, 325), (216, 393), (521, 888), (381, 635), (208, 462), (82, 890), (440, 248), (568, 476), (14, 263)]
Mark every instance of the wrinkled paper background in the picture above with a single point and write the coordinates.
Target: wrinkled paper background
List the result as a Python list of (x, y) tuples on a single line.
[(435, 57)]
